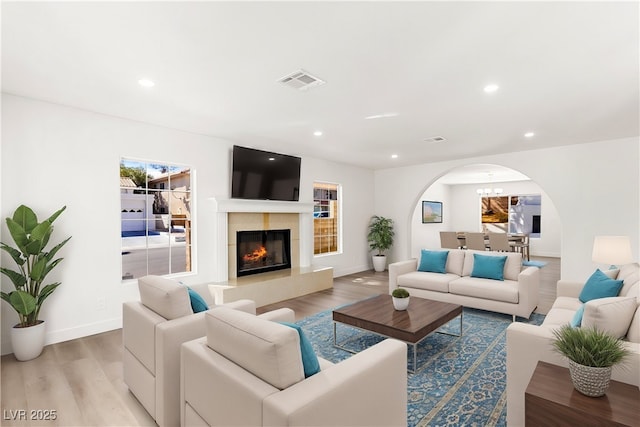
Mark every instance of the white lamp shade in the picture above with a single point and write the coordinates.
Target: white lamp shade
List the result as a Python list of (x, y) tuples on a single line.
[(613, 250)]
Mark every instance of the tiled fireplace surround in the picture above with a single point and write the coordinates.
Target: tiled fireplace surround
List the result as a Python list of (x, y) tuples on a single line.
[(234, 215)]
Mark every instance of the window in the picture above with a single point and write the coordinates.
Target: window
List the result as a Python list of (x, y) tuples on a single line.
[(516, 214), (155, 218), (326, 218)]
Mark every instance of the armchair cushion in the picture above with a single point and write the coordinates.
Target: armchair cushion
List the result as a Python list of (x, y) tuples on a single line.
[(599, 285), (268, 350), (166, 297)]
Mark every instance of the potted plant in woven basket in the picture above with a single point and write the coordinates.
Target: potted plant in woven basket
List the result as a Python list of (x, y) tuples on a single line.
[(592, 354)]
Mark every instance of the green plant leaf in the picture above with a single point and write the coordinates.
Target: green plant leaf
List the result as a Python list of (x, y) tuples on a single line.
[(17, 278), (18, 234), (5, 296), (38, 269), (50, 267), (26, 218), (22, 302), (15, 254), (41, 233), (49, 255), (46, 291), (34, 247), (56, 214)]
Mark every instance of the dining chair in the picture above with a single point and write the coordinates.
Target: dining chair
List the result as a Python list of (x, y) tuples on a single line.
[(523, 246), (449, 240), (475, 241), (499, 242)]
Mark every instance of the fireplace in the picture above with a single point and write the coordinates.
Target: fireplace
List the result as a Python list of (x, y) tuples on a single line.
[(260, 251)]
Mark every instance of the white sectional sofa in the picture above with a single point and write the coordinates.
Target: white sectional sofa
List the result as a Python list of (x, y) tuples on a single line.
[(517, 294), (527, 344)]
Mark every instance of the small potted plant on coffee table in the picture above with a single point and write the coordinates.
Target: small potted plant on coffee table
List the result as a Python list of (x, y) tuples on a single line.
[(592, 354), (400, 298)]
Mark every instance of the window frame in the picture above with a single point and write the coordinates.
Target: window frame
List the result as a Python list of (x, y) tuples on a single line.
[(339, 234), (150, 215)]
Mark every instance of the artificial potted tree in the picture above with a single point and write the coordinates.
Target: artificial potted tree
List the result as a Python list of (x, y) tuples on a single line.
[(400, 297), (380, 239), (592, 354), (34, 263)]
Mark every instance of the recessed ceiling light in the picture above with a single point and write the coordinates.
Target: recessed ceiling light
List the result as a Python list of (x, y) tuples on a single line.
[(271, 159), (491, 88), (146, 83), (317, 133), (394, 156), (529, 135)]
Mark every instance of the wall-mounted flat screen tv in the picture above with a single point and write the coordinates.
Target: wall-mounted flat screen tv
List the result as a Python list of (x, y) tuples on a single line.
[(263, 175)]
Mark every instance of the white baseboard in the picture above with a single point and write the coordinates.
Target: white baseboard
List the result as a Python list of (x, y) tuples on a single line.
[(62, 335), (345, 271)]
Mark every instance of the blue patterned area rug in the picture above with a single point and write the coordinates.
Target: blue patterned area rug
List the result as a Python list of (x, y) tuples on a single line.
[(459, 381)]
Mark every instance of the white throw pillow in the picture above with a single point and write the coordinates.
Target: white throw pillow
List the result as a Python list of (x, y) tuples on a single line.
[(612, 315)]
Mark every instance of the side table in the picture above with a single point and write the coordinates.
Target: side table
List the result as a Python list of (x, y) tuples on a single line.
[(551, 400)]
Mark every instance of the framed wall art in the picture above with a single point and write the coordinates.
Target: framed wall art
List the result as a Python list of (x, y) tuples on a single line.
[(431, 212)]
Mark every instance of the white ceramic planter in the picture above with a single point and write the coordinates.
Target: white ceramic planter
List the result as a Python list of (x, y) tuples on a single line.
[(28, 342), (379, 262), (400, 303)]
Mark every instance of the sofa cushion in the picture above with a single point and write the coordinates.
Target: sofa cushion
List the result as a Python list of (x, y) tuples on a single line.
[(512, 266), (166, 297), (558, 317), (488, 267), (455, 261), (611, 315), (268, 350), (423, 280), (633, 334), (506, 291), (599, 286), (433, 261), (630, 275), (309, 359)]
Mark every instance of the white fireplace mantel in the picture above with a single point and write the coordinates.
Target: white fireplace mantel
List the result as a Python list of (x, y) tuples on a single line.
[(221, 207)]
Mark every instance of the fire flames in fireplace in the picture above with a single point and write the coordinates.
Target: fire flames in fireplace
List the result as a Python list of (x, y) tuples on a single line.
[(263, 250), (256, 255)]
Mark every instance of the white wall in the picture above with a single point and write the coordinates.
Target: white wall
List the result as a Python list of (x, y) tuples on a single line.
[(594, 188), (54, 155), (461, 206)]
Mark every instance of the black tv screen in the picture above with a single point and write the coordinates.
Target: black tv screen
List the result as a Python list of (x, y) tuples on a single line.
[(263, 175)]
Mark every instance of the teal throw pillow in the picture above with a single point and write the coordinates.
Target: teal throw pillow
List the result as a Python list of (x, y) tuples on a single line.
[(309, 358), (488, 267), (599, 285), (433, 261), (577, 317), (198, 303)]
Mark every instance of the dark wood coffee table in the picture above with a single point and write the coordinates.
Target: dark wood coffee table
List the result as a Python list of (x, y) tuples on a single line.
[(412, 325)]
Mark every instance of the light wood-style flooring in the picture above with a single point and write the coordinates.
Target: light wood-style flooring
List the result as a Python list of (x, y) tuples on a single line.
[(81, 380)]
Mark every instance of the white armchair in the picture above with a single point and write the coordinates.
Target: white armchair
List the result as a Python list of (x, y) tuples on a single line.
[(153, 330), (249, 372)]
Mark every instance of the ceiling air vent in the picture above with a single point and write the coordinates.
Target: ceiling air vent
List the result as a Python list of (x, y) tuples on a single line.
[(435, 139), (301, 80)]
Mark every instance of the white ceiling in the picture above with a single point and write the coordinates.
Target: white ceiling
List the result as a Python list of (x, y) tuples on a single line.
[(567, 71)]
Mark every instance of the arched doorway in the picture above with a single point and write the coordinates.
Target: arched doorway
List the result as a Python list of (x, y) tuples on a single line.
[(502, 188)]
